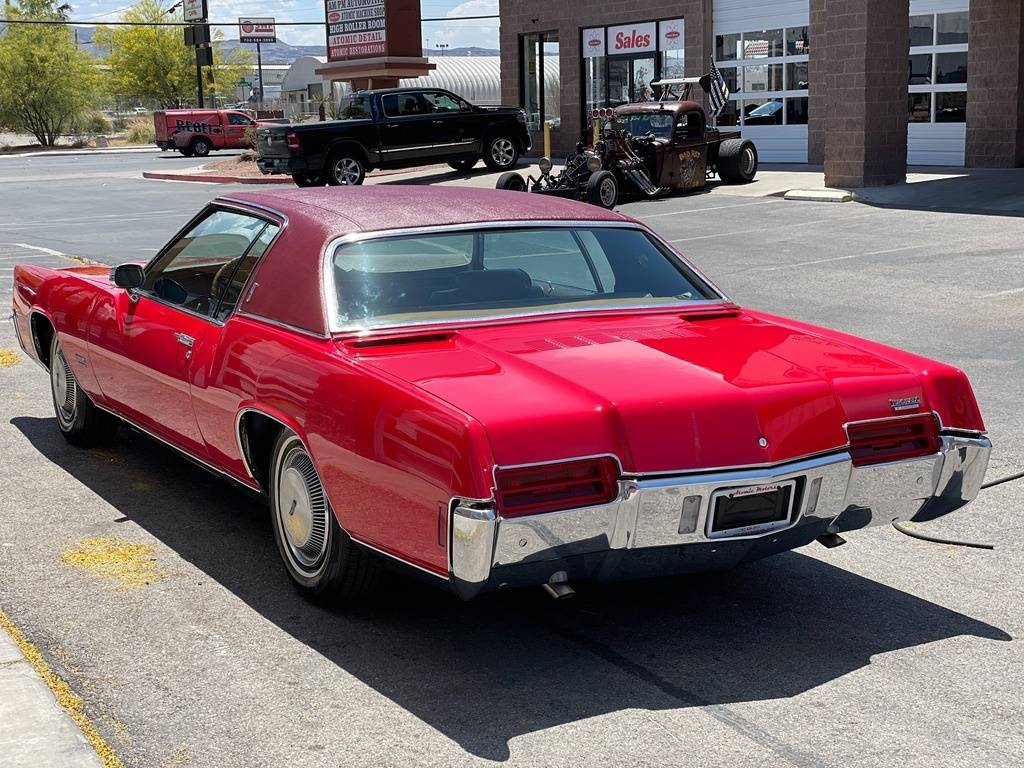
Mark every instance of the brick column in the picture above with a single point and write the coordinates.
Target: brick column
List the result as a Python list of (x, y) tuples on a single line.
[(867, 44), (817, 86), (995, 85)]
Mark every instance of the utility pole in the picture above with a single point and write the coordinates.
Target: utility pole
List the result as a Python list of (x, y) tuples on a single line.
[(259, 73), (199, 79)]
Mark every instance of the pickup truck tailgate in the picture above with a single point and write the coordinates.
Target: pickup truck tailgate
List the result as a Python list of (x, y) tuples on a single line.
[(272, 142)]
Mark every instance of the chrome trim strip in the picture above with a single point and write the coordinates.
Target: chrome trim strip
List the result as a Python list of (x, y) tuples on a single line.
[(330, 296), (279, 324), (681, 473), (186, 454)]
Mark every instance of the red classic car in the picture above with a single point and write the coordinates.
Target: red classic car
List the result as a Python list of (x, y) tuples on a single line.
[(493, 389)]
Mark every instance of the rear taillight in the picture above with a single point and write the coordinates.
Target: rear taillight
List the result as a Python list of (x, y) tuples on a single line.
[(551, 487), (292, 140), (874, 442)]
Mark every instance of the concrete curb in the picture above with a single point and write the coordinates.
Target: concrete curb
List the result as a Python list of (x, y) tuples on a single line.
[(819, 195), (38, 728), (67, 152), (216, 178)]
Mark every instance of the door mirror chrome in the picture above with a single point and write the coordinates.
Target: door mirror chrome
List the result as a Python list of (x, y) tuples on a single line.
[(128, 276)]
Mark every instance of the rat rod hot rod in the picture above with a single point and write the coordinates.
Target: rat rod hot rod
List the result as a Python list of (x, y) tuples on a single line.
[(493, 390), (648, 148)]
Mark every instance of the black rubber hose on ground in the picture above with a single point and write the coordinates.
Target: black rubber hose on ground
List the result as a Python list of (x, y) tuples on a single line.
[(1002, 480)]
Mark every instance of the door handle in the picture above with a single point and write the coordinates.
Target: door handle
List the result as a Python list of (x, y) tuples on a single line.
[(439, 122), (184, 338), (392, 125)]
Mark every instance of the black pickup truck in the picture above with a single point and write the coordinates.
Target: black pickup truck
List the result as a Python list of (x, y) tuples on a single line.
[(394, 128)]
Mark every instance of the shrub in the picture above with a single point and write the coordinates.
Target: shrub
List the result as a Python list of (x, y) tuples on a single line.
[(140, 131)]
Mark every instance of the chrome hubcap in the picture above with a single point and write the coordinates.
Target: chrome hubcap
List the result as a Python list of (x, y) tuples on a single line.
[(748, 162), (346, 170), (65, 389), (302, 509), (503, 152), (607, 191)]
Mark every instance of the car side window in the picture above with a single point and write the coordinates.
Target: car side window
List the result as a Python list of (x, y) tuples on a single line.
[(238, 120), (403, 104), (197, 267), (234, 281), (439, 101)]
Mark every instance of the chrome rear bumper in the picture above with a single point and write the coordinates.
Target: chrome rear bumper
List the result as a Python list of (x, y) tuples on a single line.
[(486, 550)]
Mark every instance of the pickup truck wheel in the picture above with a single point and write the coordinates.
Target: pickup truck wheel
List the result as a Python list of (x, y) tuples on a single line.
[(464, 166), (200, 147), (345, 169), (501, 154), (323, 562), (81, 422), (511, 181), (307, 180), (737, 161), (603, 189)]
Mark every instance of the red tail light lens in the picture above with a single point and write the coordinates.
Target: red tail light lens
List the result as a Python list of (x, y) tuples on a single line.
[(292, 140), (572, 484), (875, 442)]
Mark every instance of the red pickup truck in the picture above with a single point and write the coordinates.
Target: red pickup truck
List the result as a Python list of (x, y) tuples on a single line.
[(198, 131)]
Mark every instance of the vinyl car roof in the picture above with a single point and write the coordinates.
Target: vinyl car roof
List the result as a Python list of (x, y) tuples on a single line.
[(288, 280)]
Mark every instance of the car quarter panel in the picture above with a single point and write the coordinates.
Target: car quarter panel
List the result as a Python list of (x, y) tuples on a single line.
[(391, 458)]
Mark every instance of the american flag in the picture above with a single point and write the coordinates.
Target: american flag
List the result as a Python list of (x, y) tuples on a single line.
[(718, 93)]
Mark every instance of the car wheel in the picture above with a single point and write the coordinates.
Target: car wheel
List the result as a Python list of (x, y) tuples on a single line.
[(307, 180), (502, 154), (323, 562), (81, 422), (603, 189), (345, 169), (186, 151), (511, 181), (737, 161), (200, 147), (463, 166)]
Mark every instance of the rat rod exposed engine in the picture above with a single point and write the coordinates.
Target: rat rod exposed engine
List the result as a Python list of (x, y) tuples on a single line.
[(645, 149)]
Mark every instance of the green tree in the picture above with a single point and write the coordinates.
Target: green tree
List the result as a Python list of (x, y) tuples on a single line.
[(153, 65), (45, 81)]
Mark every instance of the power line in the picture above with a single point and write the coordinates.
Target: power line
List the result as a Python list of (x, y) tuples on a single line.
[(211, 23)]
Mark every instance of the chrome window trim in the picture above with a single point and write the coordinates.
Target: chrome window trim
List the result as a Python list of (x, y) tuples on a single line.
[(330, 294), (279, 324)]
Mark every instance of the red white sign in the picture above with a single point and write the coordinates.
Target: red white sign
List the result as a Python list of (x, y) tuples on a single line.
[(256, 30), (632, 38), (593, 42), (671, 35), (193, 10), (356, 29)]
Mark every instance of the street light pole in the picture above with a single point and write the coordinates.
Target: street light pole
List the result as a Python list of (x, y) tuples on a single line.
[(259, 73)]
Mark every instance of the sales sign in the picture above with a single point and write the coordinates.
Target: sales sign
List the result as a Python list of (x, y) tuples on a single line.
[(356, 29), (194, 10), (256, 30), (632, 38)]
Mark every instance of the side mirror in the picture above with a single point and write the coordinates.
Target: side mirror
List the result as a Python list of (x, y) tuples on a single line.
[(128, 276)]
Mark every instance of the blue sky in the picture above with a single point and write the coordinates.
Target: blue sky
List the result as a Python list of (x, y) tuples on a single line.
[(483, 33)]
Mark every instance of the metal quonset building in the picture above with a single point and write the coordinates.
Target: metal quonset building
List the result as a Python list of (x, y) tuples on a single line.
[(476, 78), (862, 86)]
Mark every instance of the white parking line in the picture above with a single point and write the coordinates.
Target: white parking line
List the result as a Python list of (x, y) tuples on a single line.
[(767, 229), (77, 219), (839, 258), (47, 251), (701, 210), (1003, 293)]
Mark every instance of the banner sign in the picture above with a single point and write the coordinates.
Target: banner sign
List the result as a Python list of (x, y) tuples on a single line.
[(671, 35), (632, 38), (194, 10), (356, 29), (256, 30)]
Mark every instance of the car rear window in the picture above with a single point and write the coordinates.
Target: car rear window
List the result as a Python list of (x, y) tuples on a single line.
[(414, 279)]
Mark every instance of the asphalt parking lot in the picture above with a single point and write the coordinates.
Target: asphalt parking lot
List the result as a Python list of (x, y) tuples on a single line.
[(885, 652)]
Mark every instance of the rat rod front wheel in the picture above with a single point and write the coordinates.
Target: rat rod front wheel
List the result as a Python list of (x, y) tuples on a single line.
[(511, 181), (603, 189)]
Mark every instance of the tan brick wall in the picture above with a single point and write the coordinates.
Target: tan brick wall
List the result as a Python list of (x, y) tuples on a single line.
[(568, 17), (995, 85)]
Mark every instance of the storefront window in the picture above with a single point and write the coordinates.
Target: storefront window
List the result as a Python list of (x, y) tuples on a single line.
[(796, 111), (952, 29), (784, 76), (798, 42), (921, 69), (761, 112), (951, 107), (951, 68), (728, 47), (618, 81), (796, 76), (540, 80), (920, 108), (762, 45), (922, 30), (731, 77), (672, 64), (594, 91)]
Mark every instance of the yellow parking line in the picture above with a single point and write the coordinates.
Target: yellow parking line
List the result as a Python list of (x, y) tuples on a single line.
[(69, 701)]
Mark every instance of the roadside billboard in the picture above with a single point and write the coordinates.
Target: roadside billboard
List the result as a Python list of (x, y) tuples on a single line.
[(356, 29), (257, 29)]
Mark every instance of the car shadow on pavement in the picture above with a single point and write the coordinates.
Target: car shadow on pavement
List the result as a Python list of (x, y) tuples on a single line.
[(485, 672)]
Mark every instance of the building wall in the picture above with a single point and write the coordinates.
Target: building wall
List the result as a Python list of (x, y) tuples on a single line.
[(568, 19)]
